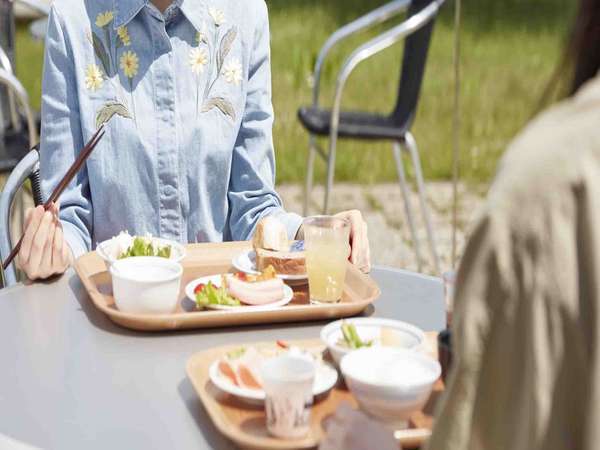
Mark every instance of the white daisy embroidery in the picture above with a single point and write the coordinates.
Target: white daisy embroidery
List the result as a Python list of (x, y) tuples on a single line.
[(198, 59), (93, 77), (232, 71), (217, 15)]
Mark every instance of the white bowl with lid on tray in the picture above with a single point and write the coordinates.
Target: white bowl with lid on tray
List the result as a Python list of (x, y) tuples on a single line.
[(146, 284), (372, 332), (390, 384)]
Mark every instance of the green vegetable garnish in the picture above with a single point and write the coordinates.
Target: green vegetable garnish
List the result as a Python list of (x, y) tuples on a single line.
[(351, 337), (212, 295), (143, 247), (237, 353)]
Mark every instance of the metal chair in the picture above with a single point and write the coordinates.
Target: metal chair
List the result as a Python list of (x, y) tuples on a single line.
[(416, 30), (28, 167)]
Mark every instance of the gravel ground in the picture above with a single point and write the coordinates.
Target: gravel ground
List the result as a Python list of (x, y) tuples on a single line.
[(383, 209)]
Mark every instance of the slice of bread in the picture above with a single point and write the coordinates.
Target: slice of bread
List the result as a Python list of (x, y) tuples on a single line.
[(270, 234), (285, 263)]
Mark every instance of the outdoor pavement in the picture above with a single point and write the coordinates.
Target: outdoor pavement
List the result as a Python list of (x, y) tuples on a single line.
[(383, 209)]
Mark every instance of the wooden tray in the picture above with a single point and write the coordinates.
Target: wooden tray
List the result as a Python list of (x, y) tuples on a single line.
[(209, 259), (245, 425)]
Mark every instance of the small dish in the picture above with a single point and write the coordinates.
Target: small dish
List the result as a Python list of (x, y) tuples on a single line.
[(216, 280), (403, 335), (246, 262), (325, 379), (390, 384), (146, 284), (104, 250)]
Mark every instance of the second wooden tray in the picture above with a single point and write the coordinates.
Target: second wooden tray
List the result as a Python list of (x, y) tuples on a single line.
[(245, 425), (210, 259)]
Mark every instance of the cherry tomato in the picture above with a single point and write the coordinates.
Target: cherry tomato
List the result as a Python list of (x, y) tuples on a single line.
[(199, 288), (241, 276)]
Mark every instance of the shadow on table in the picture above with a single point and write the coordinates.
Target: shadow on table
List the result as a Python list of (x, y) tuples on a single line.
[(210, 433), (95, 317)]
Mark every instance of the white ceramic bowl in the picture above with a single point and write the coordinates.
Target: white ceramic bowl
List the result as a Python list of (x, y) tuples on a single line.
[(103, 250), (405, 335), (390, 384), (146, 284)]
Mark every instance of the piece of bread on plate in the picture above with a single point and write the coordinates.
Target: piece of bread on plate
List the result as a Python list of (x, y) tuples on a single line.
[(284, 263), (271, 234), (273, 248)]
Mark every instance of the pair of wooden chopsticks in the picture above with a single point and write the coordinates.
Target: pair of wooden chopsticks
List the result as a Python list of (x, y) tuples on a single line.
[(73, 170)]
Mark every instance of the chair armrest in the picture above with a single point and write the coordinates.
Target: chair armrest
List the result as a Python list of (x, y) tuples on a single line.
[(40, 7), (376, 45), (16, 88), (6, 64), (14, 182), (5, 61), (374, 17)]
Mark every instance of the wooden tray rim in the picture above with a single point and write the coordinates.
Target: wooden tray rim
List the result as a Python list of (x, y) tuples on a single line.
[(156, 319)]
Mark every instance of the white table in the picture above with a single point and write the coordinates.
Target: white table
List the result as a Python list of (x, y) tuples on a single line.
[(71, 379)]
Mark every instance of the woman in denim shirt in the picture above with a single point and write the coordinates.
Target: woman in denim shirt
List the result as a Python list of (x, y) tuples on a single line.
[(188, 152)]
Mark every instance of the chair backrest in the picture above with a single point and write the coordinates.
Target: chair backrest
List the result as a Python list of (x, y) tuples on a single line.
[(7, 43), (414, 60)]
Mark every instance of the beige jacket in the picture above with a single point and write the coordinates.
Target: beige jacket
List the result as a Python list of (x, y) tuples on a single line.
[(526, 374)]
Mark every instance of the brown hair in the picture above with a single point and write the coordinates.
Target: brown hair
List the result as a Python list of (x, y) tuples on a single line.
[(584, 46), (581, 56)]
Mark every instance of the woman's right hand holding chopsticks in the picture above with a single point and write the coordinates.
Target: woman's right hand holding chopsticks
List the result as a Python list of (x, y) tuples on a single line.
[(44, 251)]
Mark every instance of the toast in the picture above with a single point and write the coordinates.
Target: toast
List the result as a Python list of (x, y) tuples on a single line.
[(284, 263)]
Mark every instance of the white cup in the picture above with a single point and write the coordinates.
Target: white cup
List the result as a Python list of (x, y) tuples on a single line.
[(288, 384)]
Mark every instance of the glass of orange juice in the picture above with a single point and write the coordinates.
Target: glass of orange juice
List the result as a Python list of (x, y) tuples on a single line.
[(326, 241)]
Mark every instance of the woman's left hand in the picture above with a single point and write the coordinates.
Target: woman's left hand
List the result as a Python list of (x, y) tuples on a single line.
[(360, 254), (349, 429)]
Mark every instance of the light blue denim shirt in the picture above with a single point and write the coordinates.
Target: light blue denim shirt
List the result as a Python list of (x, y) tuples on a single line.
[(189, 154)]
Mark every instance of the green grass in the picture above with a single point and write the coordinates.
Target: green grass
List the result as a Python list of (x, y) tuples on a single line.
[(509, 50)]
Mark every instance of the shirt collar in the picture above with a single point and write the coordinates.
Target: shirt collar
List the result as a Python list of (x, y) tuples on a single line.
[(126, 10)]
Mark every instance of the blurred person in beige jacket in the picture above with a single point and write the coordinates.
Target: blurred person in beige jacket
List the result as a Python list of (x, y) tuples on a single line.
[(526, 326)]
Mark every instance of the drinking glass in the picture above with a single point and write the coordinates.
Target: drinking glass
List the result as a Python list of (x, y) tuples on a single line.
[(326, 240), (288, 383)]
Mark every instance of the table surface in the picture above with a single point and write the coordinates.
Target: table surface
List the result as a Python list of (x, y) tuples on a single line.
[(71, 379)]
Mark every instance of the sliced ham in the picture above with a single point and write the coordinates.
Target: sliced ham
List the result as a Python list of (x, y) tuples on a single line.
[(257, 293), (243, 371)]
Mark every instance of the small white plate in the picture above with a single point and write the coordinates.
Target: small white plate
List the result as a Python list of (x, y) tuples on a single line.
[(288, 295), (325, 379), (246, 262)]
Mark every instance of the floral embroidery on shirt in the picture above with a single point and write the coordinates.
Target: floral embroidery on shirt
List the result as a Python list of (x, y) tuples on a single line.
[(217, 15), (104, 19), (216, 51), (232, 71), (107, 53), (93, 77), (198, 60), (123, 34)]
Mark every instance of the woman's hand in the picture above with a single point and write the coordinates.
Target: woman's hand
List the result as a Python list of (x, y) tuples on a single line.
[(44, 252), (352, 430), (360, 255)]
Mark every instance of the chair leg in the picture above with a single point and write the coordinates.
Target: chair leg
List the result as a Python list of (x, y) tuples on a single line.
[(411, 145), (310, 166), (330, 171), (407, 206)]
